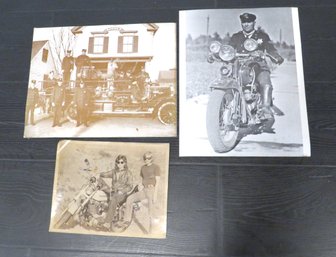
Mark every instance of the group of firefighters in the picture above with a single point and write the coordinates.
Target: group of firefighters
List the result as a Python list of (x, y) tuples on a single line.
[(57, 89)]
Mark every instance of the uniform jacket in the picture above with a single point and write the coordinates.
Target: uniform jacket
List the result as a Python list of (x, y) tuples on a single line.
[(68, 63), (264, 42), (82, 96), (32, 96), (82, 60), (58, 96)]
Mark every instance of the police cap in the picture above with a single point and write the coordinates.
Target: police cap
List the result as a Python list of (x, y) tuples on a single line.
[(247, 17)]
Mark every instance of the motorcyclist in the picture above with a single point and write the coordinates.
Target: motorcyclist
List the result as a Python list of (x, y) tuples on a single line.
[(264, 44), (122, 180)]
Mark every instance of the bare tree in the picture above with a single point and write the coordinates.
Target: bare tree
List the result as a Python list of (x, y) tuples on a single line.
[(62, 40)]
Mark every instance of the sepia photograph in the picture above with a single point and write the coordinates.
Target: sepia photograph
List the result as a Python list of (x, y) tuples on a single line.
[(102, 81), (241, 83), (111, 189)]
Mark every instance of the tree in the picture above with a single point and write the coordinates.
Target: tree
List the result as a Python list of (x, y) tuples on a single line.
[(216, 37), (62, 40), (189, 40)]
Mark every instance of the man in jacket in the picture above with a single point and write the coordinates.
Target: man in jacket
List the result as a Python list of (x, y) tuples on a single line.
[(82, 101), (81, 61), (67, 66), (264, 44), (32, 101), (58, 102)]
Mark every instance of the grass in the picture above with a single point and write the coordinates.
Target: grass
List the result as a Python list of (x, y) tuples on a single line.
[(199, 73)]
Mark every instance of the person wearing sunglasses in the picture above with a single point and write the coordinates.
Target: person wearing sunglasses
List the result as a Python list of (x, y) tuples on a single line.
[(122, 180), (150, 174)]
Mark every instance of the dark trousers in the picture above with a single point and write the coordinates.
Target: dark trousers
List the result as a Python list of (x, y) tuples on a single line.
[(82, 115), (114, 201), (66, 76), (30, 114), (57, 114)]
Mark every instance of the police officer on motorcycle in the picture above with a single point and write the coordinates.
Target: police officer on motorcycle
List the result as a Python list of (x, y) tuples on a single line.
[(264, 44)]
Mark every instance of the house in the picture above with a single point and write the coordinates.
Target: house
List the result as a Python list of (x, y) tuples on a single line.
[(167, 78), (42, 61), (121, 47)]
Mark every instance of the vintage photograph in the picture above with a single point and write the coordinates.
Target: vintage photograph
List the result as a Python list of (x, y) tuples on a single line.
[(241, 84), (111, 188), (102, 81)]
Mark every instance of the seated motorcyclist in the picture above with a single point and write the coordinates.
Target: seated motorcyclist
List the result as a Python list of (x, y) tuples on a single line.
[(122, 180), (264, 44)]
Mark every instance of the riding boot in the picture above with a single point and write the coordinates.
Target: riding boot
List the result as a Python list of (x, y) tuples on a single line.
[(266, 112)]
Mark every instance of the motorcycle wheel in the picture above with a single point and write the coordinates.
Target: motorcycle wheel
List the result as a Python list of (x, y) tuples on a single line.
[(71, 113), (221, 129), (167, 113)]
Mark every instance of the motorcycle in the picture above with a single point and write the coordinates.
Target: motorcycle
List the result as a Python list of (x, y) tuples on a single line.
[(235, 100), (89, 208)]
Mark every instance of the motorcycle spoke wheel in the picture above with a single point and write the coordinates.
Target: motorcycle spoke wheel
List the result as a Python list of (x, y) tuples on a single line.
[(222, 120)]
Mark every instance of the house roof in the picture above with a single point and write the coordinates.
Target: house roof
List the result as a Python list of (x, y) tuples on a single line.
[(150, 27), (167, 76), (36, 47)]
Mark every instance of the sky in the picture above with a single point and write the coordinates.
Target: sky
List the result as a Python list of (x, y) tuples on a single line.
[(227, 20)]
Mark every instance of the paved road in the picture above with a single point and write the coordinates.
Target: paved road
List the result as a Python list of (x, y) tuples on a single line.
[(104, 127), (287, 140)]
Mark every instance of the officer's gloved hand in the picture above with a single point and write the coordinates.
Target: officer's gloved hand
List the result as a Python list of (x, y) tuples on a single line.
[(279, 59), (210, 59)]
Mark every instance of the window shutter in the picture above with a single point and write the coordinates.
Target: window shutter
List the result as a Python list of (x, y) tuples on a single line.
[(90, 48), (105, 47), (135, 44), (45, 55), (120, 44)]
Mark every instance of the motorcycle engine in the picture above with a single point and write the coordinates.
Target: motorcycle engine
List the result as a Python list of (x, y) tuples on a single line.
[(252, 97)]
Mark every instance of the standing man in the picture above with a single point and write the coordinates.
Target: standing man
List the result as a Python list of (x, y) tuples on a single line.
[(49, 87), (67, 66), (142, 79), (264, 44), (32, 101), (81, 61), (82, 101), (58, 102), (150, 174)]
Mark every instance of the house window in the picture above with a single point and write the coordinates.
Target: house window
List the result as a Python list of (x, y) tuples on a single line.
[(98, 45), (128, 44), (45, 55)]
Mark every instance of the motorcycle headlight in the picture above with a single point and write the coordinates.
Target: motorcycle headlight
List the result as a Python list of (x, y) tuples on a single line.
[(215, 47), (226, 70), (250, 44), (227, 53)]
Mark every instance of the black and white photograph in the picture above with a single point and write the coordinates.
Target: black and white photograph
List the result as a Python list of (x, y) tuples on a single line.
[(111, 188), (241, 83), (102, 81)]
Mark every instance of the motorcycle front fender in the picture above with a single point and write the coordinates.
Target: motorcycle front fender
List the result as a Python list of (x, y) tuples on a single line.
[(224, 83), (229, 83)]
